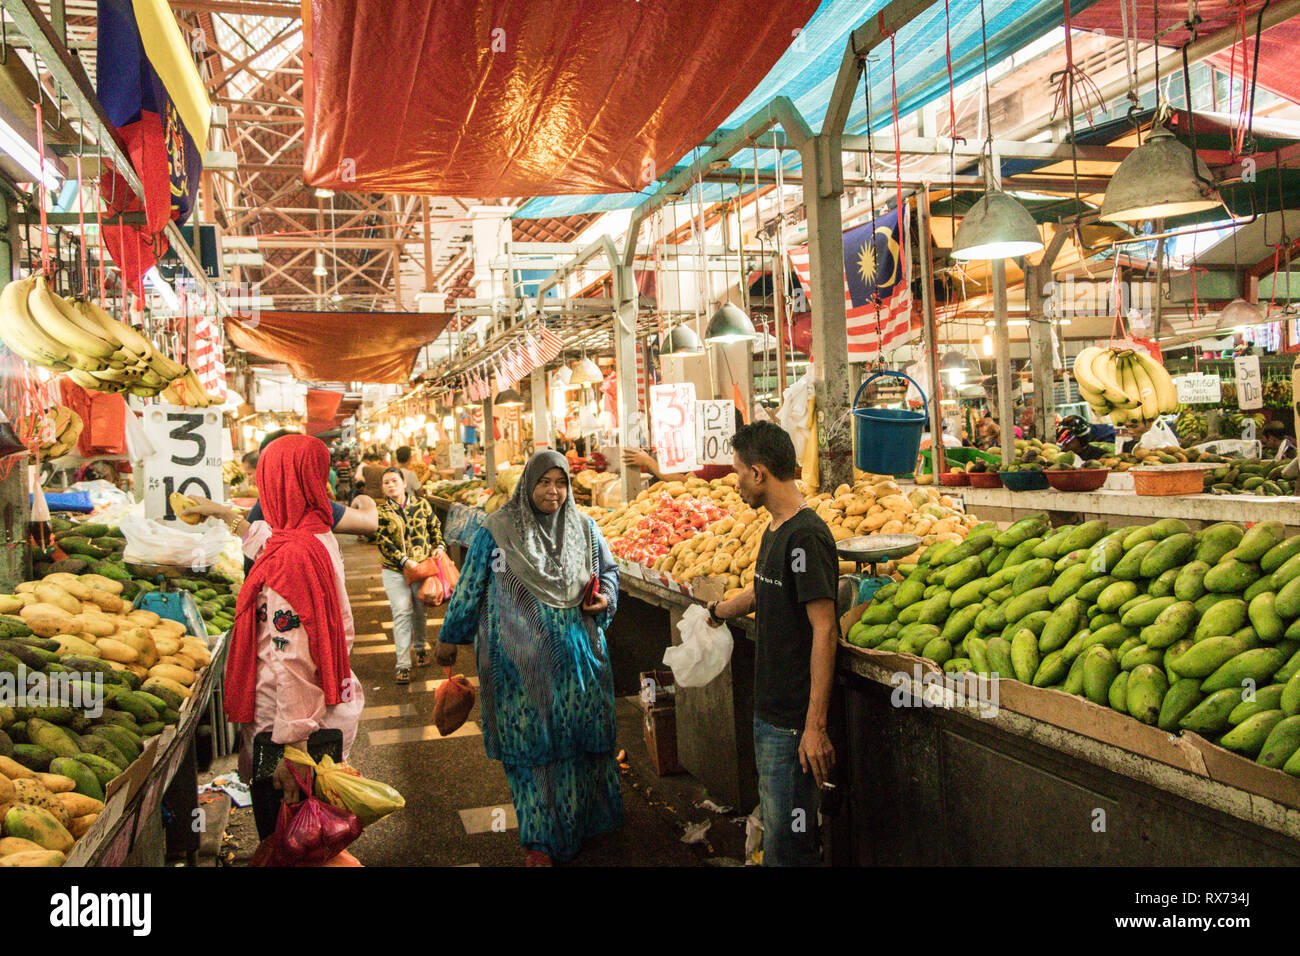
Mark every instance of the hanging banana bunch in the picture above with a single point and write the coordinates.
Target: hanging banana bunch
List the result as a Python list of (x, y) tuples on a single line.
[(95, 350), (1125, 384), (61, 435)]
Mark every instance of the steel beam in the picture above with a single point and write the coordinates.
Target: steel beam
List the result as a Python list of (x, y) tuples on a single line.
[(1006, 420)]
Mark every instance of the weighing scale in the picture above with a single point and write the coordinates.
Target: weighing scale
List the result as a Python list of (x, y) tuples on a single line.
[(871, 549)]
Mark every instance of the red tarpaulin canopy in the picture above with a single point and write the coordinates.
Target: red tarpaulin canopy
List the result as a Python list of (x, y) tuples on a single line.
[(497, 98), (376, 347), (1276, 49)]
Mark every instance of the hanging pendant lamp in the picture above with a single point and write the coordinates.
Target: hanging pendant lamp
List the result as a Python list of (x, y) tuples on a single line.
[(1237, 314), (729, 324), (1156, 181), (682, 341), (586, 372), (508, 399), (996, 227)]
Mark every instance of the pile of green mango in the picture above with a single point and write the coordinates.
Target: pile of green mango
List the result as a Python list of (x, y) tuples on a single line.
[(1196, 631)]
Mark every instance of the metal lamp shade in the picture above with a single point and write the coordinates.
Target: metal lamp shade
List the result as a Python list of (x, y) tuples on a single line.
[(682, 341), (996, 227), (952, 363), (586, 372), (1155, 181), (729, 324), (508, 398), (1237, 314)]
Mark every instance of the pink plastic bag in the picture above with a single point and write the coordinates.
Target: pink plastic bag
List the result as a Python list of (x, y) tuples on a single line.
[(310, 832)]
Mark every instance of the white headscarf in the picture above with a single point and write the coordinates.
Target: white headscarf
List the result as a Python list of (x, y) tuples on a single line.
[(548, 553)]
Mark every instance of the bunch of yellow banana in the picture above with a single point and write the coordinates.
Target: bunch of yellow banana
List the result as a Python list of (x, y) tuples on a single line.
[(1125, 384), (186, 390), (78, 337), (65, 426)]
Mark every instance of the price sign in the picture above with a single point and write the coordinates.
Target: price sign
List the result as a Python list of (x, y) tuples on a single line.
[(456, 456), (672, 408), (715, 423), (187, 456), (1250, 385), (1196, 388)]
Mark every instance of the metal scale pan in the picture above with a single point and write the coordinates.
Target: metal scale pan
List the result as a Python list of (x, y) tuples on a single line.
[(874, 548)]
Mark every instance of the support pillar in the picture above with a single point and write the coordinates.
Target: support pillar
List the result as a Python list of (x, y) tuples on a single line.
[(625, 369), (541, 410), (931, 331), (823, 187), (489, 444), (1040, 351)]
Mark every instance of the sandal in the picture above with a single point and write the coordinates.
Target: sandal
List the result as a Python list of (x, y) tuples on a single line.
[(403, 675), (422, 658)]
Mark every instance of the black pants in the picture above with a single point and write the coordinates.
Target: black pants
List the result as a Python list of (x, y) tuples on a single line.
[(266, 754)]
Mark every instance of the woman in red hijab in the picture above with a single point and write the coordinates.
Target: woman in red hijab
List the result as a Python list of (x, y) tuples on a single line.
[(287, 672)]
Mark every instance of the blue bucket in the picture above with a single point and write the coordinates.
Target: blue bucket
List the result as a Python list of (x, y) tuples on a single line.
[(887, 440)]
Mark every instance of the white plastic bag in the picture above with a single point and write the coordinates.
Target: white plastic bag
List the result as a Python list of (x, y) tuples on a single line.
[(154, 542), (1159, 435), (102, 493), (703, 652), (796, 400)]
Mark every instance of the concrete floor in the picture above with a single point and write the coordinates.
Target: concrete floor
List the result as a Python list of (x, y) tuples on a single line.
[(455, 795)]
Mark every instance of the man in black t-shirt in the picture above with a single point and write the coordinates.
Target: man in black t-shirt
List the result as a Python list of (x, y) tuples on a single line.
[(796, 631)]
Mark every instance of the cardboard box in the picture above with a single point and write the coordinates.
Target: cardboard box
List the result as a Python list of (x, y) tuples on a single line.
[(659, 728)]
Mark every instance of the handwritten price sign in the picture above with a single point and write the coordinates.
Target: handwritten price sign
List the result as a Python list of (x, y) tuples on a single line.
[(715, 423), (672, 409), (188, 456), (1250, 386)]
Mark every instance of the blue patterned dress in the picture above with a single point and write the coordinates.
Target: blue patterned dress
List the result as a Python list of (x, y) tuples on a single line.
[(547, 696)]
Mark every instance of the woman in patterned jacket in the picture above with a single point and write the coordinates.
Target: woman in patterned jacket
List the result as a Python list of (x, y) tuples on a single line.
[(547, 689), (409, 532)]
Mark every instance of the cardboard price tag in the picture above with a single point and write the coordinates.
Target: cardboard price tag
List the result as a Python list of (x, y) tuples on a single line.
[(715, 423), (1250, 384), (186, 459), (1198, 388), (672, 408)]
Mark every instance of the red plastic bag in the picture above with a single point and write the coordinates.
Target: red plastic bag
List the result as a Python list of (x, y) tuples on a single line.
[(310, 832), (436, 589), (452, 702)]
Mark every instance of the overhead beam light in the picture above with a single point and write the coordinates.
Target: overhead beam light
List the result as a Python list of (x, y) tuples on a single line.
[(17, 148), (159, 285)]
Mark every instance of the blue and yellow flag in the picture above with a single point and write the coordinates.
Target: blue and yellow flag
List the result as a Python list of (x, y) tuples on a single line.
[(152, 94)]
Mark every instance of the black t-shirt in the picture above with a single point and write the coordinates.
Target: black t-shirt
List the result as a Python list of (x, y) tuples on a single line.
[(796, 564)]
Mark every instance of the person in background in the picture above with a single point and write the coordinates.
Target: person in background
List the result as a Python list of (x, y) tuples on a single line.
[(795, 633), (409, 532), (1271, 436), (403, 457), (343, 470), (1074, 435), (287, 673), (526, 601), (372, 475), (248, 465)]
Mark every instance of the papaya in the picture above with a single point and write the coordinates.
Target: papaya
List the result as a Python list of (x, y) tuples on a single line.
[(1248, 737), (1183, 695), (38, 825), (1145, 690)]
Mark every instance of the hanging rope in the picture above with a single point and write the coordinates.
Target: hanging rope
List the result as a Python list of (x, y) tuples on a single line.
[(40, 188), (81, 224), (1073, 76)]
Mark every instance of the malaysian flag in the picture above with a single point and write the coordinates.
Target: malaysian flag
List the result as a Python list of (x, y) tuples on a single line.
[(876, 284)]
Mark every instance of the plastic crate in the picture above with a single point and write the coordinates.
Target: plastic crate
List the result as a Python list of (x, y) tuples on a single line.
[(961, 456)]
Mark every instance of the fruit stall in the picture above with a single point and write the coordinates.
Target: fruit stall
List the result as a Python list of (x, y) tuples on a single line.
[(1135, 690), (110, 669)]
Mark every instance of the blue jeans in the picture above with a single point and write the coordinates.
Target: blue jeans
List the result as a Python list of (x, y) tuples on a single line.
[(408, 615), (787, 798)]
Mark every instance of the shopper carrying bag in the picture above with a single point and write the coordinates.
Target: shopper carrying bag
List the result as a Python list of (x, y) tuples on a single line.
[(537, 592), (288, 676), (410, 544)]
